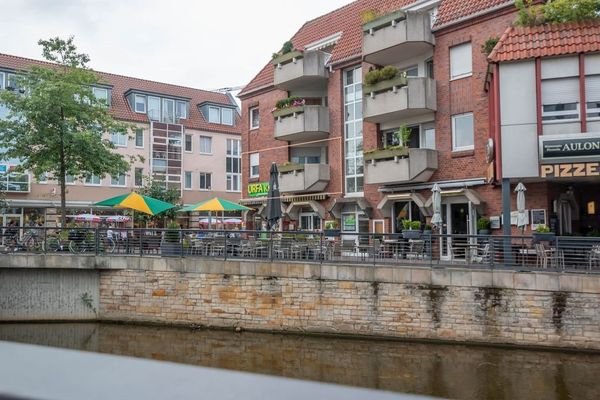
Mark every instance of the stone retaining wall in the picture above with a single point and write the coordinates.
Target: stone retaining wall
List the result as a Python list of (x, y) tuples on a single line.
[(547, 309)]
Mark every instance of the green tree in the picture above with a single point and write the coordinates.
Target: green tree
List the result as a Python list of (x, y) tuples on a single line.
[(157, 189), (55, 125), (556, 11)]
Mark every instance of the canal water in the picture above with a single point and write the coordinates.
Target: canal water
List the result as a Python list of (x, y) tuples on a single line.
[(448, 371)]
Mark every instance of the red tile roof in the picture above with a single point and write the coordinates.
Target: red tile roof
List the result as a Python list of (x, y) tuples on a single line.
[(452, 11), (519, 43), (348, 20), (121, 84)]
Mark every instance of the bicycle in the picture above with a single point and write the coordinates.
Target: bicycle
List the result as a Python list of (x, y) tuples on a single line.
[(29, 242), (81, 241)]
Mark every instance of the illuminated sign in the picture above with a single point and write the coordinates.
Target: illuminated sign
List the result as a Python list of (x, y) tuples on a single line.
[(258, 189)]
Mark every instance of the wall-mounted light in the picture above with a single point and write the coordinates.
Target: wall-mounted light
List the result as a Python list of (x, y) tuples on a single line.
[(591, 207)]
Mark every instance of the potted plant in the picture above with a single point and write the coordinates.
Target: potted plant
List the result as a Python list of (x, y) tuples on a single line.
[(543, 234), (171, 245), (332, 228), (411, 229), (483, 226)]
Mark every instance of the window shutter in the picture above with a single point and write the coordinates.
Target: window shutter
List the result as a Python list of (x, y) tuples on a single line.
[(560, 91), (592, 88), (460, 60)]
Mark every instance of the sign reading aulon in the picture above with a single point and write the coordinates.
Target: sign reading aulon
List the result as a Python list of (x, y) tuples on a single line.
[(570, 148)]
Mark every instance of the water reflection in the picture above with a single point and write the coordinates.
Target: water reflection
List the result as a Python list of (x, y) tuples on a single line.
[(451, 371)]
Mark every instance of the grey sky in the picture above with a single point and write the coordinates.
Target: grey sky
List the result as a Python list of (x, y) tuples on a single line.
[(202, 44)]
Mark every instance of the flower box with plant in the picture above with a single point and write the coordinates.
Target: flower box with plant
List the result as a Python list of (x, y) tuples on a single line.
[(288, 167), (372, 22), (391, 152), (289, 106), (286, 54), (332, 228), (483, 226), (542, 233), (383, 80), (411, 229)]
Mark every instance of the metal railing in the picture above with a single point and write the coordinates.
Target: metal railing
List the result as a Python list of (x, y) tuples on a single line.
[(415, 248)]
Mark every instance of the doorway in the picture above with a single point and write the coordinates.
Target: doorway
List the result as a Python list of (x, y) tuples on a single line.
[(457, 219)]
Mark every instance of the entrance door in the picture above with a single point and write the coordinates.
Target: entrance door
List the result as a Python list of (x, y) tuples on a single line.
[(455, 221)]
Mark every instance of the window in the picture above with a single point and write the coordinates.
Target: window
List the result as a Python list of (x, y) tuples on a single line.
[(101, 94), (205, 180), (205, 145), (139, 138), (462, 132), (11, 82), (232, 165), (461, 61), (429, 69), (1, 80), (93, 180), (188, 143), (309, 221), (428, 138), (70, 180), (254, 163), (140, 104), (168, 112), (227, 116), (181, 110), (117, 180), (392, 137), (254, 118), (187, 180), (214, 115), (353, 130), (592, 96), (43, 178), (138, 176), (119, 139), (154, 108), (412, 71), (560, 99)]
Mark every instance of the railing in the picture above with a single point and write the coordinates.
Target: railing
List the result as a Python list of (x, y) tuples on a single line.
[(413, 248)]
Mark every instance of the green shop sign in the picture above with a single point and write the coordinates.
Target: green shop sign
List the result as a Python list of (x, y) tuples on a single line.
[(258, 189)]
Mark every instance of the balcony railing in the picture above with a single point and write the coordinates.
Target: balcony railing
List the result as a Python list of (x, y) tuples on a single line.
[(15, 182), (404, 165), (404, 249), (399, 98), (396, 37), (303, 178), (301, 70), (302, 123)]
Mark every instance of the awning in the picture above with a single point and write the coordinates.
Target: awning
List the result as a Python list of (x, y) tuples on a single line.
[(253, 201), (470, 195), (339, 203), (304, 197), (388, 201), (294, 208)]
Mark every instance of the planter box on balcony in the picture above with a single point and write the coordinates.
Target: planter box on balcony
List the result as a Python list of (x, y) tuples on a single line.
[(287, 57), (385, 86), (291, 167), (385, 154), (288, 111), (302, 123), (383, 21), (303, 178)]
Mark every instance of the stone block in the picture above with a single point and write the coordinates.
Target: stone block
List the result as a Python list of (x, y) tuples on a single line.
[(231, 267), (591, 284), (547, 281), (441, 277), (482, 279), (263, 269), (295, 270), (346, 273), (524, 280), (312, 271), (503, 279), (365, 274), (248, 268), (422, 276), (570, 283), (461, 278), (329, 272), (384, 274), (402, 275)]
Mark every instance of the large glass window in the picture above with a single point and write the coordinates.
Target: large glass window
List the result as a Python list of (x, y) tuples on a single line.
[(154, 108), (181, 110), (461, 61), (139, 138), (1, 80), (139, 176), (119, 139), (310, 221), (118, 180), (101, 94), (428, 138), (254, 163), (462, 132), (168, 112), (214, 115), (353, 130), (227, 116), (232, 165), (205, 145), (592, 96), (406, 210), (560, 99), (140, 104), (205, 180), (93, 180), (187, 180), (254, 118), (188, 143)]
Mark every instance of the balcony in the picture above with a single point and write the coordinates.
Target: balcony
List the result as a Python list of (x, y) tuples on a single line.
[(403, 165), (395, 37), (303, 178), (398, 98), (297, 70), (302, 123), (14, 182)]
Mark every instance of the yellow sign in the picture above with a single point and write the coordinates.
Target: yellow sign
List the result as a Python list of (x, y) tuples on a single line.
[(570, 170), (258, 189)]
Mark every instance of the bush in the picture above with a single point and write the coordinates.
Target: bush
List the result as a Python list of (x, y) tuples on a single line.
[(369, 15), (483, 223), (286, 48), (542, 229), (556, 11), (172, 233), (415, 225), (372, 77), (379, 75), (489, 45), (406, 224)]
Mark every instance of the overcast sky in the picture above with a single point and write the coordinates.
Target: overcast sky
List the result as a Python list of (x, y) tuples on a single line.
[(202, 44)]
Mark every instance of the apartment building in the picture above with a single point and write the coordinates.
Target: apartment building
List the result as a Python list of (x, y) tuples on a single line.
[(367, 154), (187, 138), (545, 84)]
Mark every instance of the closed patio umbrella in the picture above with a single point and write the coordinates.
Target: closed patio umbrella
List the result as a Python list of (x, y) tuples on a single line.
[(273, 212), (436, 195), (521, 214)]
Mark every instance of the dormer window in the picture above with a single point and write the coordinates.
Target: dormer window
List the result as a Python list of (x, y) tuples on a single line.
[(1, 80), (220, 115), (140, 104), (181, 110)]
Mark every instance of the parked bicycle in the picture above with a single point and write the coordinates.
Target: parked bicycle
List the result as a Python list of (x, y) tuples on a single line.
[(29, 242)]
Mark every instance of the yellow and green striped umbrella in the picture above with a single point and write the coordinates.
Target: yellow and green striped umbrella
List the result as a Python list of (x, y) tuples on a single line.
[(215, 204), (137, 202)]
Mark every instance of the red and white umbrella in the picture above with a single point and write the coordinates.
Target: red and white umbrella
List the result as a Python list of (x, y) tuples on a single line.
[(87, 218), (118, 218)]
